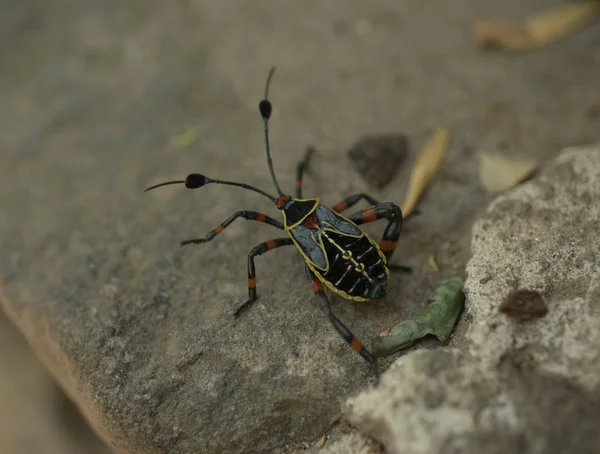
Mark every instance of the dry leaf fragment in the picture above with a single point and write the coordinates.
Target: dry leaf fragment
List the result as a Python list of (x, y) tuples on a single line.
[(437, 318), (432, 263), (321, 442), (428, 163), (537, 30), (498, 173)]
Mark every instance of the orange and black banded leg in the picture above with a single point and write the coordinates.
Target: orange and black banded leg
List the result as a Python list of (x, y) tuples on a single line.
[(302, 166), (258, 250), (250, 215), (348, 202), (353, 200), (393, 214), (350, 338)]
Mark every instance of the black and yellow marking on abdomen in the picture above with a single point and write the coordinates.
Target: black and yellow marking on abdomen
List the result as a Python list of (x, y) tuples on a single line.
[(347, 283)]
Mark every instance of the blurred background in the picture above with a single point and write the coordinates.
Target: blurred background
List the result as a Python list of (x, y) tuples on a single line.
[(119, 78), (35, 416)]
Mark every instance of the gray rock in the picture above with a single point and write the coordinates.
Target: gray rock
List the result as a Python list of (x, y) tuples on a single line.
[(139, 332), (511, 387)]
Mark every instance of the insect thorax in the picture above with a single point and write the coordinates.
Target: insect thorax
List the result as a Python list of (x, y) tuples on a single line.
[(297, 210)]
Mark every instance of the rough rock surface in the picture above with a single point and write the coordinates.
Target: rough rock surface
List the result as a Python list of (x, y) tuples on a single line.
[(138, 331), (514, 387), (353, 443)]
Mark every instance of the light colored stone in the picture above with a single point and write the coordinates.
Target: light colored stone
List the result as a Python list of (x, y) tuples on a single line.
[(353, 443), (423, 399), (543, 236), (512, 387)]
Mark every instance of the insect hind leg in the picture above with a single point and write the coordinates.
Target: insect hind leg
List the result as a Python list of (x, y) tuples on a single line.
[(389, 211), (346, 334)]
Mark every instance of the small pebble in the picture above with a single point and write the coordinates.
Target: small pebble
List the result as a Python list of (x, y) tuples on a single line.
[(523, 305), (377, 158)]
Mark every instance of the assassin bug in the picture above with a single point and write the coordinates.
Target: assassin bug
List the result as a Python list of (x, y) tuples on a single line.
[(338, 254)]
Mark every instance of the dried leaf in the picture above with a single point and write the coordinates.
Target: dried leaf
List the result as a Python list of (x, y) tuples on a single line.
[(437, 318), (498, 173), (537, 30), (428, 162), (434, 266), (321, 442)]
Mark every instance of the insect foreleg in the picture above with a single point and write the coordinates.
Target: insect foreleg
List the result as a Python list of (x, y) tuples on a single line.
[(258, 250), (249, 215)]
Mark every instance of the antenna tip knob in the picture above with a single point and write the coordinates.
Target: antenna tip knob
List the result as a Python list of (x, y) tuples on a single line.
[(265, 108), (195, 180)]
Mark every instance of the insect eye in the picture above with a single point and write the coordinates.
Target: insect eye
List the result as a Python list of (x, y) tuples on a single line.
[(195, 180)]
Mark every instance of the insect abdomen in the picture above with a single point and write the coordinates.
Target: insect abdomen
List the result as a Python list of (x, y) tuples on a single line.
[(357, 268)]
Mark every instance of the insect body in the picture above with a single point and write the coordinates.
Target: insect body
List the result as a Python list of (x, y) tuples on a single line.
[(338, 254)]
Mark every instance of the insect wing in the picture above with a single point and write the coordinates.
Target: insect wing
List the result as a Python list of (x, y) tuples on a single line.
[(310, 243), (331, 220)]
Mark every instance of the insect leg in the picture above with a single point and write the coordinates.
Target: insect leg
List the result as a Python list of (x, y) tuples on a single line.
[(353, 200), (302, 166), (250, 215), (258, 250), (350, 338), (393, 214)]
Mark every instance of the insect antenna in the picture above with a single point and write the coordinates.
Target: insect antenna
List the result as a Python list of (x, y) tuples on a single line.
[(196, 180), (265, 107)]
